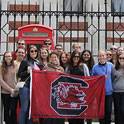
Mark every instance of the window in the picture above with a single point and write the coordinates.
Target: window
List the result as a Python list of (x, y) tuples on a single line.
[(117, 5), (73, 5)]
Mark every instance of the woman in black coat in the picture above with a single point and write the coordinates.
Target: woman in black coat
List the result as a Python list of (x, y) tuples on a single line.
[(76, 67), (26, 65)]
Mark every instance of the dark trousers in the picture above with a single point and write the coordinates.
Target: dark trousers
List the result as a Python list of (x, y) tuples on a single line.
[(119, 107), (76, 121), (89, 121), (10, 105), (108, 110), (53, 121)]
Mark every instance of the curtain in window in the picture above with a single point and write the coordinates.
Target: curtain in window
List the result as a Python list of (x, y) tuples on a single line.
[(77, 5), (118, 5)]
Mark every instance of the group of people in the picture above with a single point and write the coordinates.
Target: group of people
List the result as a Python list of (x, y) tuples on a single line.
[(16, 66)]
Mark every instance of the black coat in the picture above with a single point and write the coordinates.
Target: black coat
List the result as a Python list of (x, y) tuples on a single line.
[(23, 73)]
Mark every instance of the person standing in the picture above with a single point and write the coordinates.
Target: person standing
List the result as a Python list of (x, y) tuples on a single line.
[(105, 68), (58, 49), (118, 89), (30, 62), (77, 68), (120, 50), (64, 61), (54, 66), (8, 70), (113, 50), (76, 47), (20, 54), (20, 44), (109, 55), (44, 56), (87, 58), (48, 45)]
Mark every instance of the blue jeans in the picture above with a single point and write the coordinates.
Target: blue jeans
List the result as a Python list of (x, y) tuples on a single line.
[(24, 94)]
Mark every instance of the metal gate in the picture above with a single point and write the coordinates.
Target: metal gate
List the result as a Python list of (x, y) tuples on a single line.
[(94, 29), (95, 26)]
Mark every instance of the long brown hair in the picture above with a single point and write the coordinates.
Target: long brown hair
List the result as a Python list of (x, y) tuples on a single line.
[(117, 65), (40, 58), (4, 64), (90, 62), (72, 56)]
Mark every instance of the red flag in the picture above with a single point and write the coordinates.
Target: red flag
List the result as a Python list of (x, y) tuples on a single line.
[(60, 95)]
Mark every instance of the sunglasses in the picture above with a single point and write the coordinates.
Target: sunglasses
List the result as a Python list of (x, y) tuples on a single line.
[(121, 58), (33, 51), (47, 43), (113, 49), (21, 44), (76, 56), (59, 48)]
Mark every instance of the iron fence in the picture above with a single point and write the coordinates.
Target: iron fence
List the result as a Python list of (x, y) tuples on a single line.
[(94, 29)]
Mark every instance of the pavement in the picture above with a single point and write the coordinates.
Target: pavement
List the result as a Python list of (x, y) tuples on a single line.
[(85, 123), (92, 123)]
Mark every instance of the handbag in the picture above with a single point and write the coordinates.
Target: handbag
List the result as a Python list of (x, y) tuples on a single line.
[(20, 84)]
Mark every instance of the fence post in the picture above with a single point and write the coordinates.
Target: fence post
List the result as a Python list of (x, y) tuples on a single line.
[(0, 86), (0, 108), (0, 21)]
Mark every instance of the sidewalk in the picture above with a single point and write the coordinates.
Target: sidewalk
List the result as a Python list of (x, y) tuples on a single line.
[(92, 123)]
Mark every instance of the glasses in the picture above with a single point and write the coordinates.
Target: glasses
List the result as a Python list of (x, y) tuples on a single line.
[(86, 55), (121, 58), (21, 44), (113, 49), (59, 48), (109, 54), (21, 52), (76, 56), (47, 43), (8, 56), (78, 47), (33, 51)]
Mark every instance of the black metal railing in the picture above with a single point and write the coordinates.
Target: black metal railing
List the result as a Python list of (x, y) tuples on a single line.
[(94, 29)]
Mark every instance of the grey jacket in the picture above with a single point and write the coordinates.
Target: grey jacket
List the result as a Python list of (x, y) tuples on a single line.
[(118, 80)]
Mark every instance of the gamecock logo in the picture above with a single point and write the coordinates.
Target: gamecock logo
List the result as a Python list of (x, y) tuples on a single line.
[(67, 96)]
